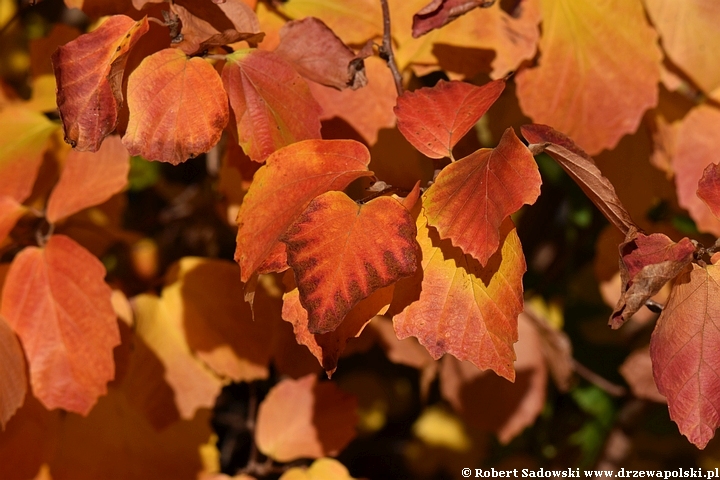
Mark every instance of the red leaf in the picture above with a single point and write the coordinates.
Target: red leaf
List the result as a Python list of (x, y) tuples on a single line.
[(472, 197), (305, 419), (709, 188), (441, 12), (455, 305), (272, 104), (341, 252), (13, 383), (685, 356), (435, 119), (57, 302), (10, 213), (178, 107), (319, 55), (89, 179), (285, 185), (89, 73)]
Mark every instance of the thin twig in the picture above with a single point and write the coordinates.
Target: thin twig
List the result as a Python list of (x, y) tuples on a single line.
[(386, 50), (592, 377)]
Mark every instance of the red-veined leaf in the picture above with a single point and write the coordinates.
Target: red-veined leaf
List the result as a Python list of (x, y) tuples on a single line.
[(178, 107), (594, 102), (459, 307), (685, 356), (435, 119), (341, 252), (10, 213), (57, 302), (305, 419), (13, 383), (438, 13), (709, 188), (89, 73), (272, 104), (89, 179), (473, 196), (285, 185)]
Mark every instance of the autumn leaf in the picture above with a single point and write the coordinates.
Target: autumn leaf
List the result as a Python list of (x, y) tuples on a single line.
[(647, 262), (319, 55), (359, 249), (272, 104), (637, 372), (708, 189), (285, 185), (23, 138), (321, 469), (597, 102), (178, 107), (581, 168), (438, 13), (10, 212), (55, 299), (472, 197), (89, 179), (305, 419), (435, 119), (684, 353), (89, 72), (459, 307), (13, 382)]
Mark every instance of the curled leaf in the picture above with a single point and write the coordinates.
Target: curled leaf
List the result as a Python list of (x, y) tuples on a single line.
[(439, 13)]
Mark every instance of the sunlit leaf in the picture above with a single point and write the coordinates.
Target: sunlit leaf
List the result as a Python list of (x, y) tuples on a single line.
[(10, 213), (305, 419), (285, 185), (178, 107), (13, 382), (272, 104), (595, 101), (89, 73), (341, 252), (435, 119), (472, 197), (321, 469), (89, 179), (709, 188), (55, 299), (438, 13)]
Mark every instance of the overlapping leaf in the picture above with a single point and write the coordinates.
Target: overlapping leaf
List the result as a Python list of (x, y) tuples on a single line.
[(458, 306), (684, 353), (89, 72), (435, 119), (708, 189), (89, 179), (305, 419), (438, 13), (637, 372), (13, 382), (272, 104), (472, 197), (178, 107), (594, 102), (341, 252), (55, 299), (285, 185), (10, 213)]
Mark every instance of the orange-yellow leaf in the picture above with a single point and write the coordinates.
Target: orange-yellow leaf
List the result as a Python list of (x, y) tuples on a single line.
[(89, 72), (685, 356), (458, 306), (285, 185), (57, 302), (341, 252), (583, 86), (435, 119), (321, 469), (472, 197), (272, 103), (13, 382), (23, 137), (305, 419), (89, 179), (178, 107), (10, 213)]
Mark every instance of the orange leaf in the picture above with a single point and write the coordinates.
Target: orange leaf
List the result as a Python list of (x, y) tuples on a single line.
[(435, 119), (637, 372), (89, 179), (272, 104), (305, 419), (458, 306), (472, 197), (321, 469), (595, 102), (13, 382), (708, 189), (89, 72), (55, 299), (685, 356), (341, 252), (10, 213), (178, 107), (285, 185), (23, 137)]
